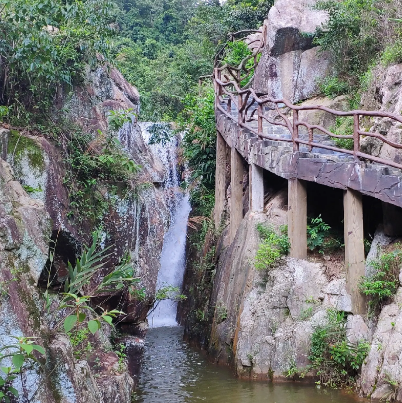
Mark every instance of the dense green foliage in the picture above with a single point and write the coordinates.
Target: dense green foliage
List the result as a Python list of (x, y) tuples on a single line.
[(46, 43), (161, 47), (335, 360), (321, 237), (358, 34), (198, 119), (384, 281), (272, 247), (165, 46)]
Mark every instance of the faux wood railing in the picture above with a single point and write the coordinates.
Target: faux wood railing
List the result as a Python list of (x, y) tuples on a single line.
[(237, 100), (245, 106)]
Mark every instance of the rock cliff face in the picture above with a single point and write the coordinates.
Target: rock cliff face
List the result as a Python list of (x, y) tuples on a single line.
[(384, 94), (137, 223), (34, 207), (261, 323), (291, 66), (24, 229)]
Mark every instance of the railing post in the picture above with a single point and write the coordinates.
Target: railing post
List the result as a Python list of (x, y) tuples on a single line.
[(260, 114), (295, 134), (240, 101), (356, 136), (240, 105), (219, 77), (310, 139)]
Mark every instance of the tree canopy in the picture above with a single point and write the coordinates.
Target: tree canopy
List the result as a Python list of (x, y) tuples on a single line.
[(163, 47)]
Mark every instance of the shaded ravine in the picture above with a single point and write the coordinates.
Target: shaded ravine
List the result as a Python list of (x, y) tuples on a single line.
[(171, 370)]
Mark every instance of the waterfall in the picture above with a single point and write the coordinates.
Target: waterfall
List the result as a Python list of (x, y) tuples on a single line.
[(173, 252)]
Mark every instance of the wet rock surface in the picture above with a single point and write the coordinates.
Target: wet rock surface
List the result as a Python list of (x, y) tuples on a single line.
[(34, 207)]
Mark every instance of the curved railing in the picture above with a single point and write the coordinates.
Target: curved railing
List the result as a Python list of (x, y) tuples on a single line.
[(241, 72), (244, 106)]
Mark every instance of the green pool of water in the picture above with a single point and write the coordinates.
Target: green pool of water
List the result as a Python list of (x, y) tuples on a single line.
[(174, 372)]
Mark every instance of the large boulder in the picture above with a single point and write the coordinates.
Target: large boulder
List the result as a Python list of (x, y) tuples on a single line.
[(290, 58), (321, 118)]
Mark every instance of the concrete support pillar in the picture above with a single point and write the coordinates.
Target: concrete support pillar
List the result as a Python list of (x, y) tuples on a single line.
[(220, 179), (297, 218), (256, 186), (354, 247), (236, 199)]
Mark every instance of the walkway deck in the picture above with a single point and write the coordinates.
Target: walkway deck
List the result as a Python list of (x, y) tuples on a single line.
[(326, 167)]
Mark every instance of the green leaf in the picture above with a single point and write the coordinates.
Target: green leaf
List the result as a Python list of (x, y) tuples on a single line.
[(6, 370), (13, 391), (27, 348), (93, 326), (81, 317), (18, 360), (69, 322), (107, 319), (39, 348)]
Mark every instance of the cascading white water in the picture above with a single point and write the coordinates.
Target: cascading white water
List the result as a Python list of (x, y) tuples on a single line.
[(173, 252)]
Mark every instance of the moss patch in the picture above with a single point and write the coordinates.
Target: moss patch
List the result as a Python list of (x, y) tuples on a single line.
[(20, 146)]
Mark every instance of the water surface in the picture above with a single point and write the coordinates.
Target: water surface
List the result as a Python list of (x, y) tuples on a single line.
[(173, 372)]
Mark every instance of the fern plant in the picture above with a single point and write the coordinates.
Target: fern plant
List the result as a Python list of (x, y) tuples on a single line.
[(76, 303)]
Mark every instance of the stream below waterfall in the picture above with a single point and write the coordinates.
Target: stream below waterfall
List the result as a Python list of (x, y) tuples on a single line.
[(171, 370), (174, 372)]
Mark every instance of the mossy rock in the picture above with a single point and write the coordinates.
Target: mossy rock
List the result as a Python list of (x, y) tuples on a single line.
[(20, 146)]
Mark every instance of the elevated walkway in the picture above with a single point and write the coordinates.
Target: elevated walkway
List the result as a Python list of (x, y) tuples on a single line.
[(267, 134), (326, 167)]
